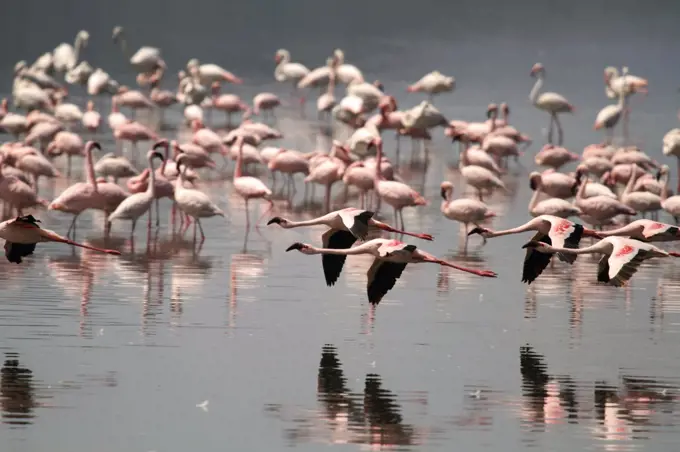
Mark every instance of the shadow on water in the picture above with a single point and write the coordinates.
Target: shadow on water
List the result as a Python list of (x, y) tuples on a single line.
[(17, 392), (373, 417)]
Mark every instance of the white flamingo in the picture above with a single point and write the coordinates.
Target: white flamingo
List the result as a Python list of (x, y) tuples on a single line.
[(553, 103)]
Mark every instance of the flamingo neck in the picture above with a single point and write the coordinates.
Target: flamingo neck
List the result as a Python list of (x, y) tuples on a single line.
[(151, 188), (519, 229), (89, 168), (77, 46), (378, 156), (533, 95), (580, 194), (631, 180), (238, 172), (534, 199), (299, 224)]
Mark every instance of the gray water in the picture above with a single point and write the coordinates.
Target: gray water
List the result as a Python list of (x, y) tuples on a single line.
[(121, 353)]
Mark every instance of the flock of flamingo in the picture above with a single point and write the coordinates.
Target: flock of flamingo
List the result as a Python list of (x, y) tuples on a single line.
[(610, 185)]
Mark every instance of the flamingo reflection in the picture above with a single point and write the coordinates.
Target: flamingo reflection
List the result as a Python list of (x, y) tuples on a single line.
[(17, 392)]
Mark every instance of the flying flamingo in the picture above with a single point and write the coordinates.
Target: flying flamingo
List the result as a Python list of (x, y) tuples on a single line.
[(193, 202), (549, 229), (396, 194), (646, 231), (346, 227), (621, 260), (463, 210), (249, 187), (137, 204), (21, 235), (553, 103), (391, 258)]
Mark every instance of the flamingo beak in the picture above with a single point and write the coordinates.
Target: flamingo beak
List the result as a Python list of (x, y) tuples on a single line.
[(295, 246), (275, 220)]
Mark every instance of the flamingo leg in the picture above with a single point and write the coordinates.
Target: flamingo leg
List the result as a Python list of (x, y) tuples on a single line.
[(327, 201), (247, 215), (158, 217), (195, 222), (396, 217), (198, 222), (550, 128), (401, 217), (560, 132)]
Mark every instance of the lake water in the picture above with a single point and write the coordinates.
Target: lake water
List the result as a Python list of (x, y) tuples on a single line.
[(241, 346)]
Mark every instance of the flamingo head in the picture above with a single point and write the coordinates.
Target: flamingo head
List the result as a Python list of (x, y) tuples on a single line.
[(537, 69), (280, 55), (665, 169), (535, 180), (481, 231), (446, 189), (491, 110), (378, 84), (196, 124), (92, 145), (505, 109), (534, 244), (162, 143), (280, 221), (301, 247), (117, 33)]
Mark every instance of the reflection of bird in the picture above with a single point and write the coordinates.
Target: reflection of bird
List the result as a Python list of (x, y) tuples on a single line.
[(621, 260), (391, 258), (17, 397), (23, 233)]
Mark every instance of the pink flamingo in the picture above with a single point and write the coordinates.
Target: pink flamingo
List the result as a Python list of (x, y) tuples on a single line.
[(132, 99), (17, 193), (43, 132), (91, 194), (91, 118), (249, 187), (360, 176), (646, 231), (67, 143), (133, 132), (23, 233), (327, 170), (555, 157), (192, 202), (600, 209), (289, 162), (163, 187), (553, 103), (346, 227), (463, 210), (228, 103), (196, 156), (623, 256), (391, 258), (266, 102), (116, 118), (396, 194), (207, 139), (558, 231)]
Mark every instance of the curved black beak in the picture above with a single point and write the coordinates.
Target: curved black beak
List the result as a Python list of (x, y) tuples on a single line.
[(295, 246), (275, 220), (96, 145), (476, 231), (161, 144), (443, 193), (159, 156)]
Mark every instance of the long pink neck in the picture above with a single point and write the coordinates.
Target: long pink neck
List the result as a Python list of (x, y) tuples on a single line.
[(517, 230), (238, 172), (89, 168), (379, 162)]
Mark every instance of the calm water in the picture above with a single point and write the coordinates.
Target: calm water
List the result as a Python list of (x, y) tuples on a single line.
[(241, 346)]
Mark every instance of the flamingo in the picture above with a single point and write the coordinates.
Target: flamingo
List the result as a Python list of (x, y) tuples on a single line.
[(553, 103), (266, 102), (645, 231), (133, 132), (21, 235), (621, 260), (623, 87), (116, 118), (609, 117), (36, 164), (361, 176), (192, 202), (555, 157), (289, 162), (146, 60), (391, 258), (641, 201), (287, 71), (91, 119), (463, 210), (111, 165), (346, 227), (67, 143), (163, 187), (228, 103), (100, 82), (549, 229), (433, 83), (195, 155), (249, 187), (346, 73), (600, 209), (556, 185), (137, 204), (327, 170), (17, 193), (209, 73), (132, 99), (553, 206), (65, 56), (396, 194)]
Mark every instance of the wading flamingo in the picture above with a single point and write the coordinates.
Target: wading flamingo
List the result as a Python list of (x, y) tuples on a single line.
[(463, 210), (249, 187), (553, 103)]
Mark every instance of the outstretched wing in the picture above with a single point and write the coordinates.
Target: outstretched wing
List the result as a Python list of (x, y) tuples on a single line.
[(535, 261), (356, 222), (332, 264), (16, 251), (624, 262), (382, 276), (566, 234)]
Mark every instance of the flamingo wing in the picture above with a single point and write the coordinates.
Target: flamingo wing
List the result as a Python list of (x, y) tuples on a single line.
[(565, 234), (16, 251), (357, 223), (382, 276), (622, 264), (332, 263), (656, 232), (535, 261)]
